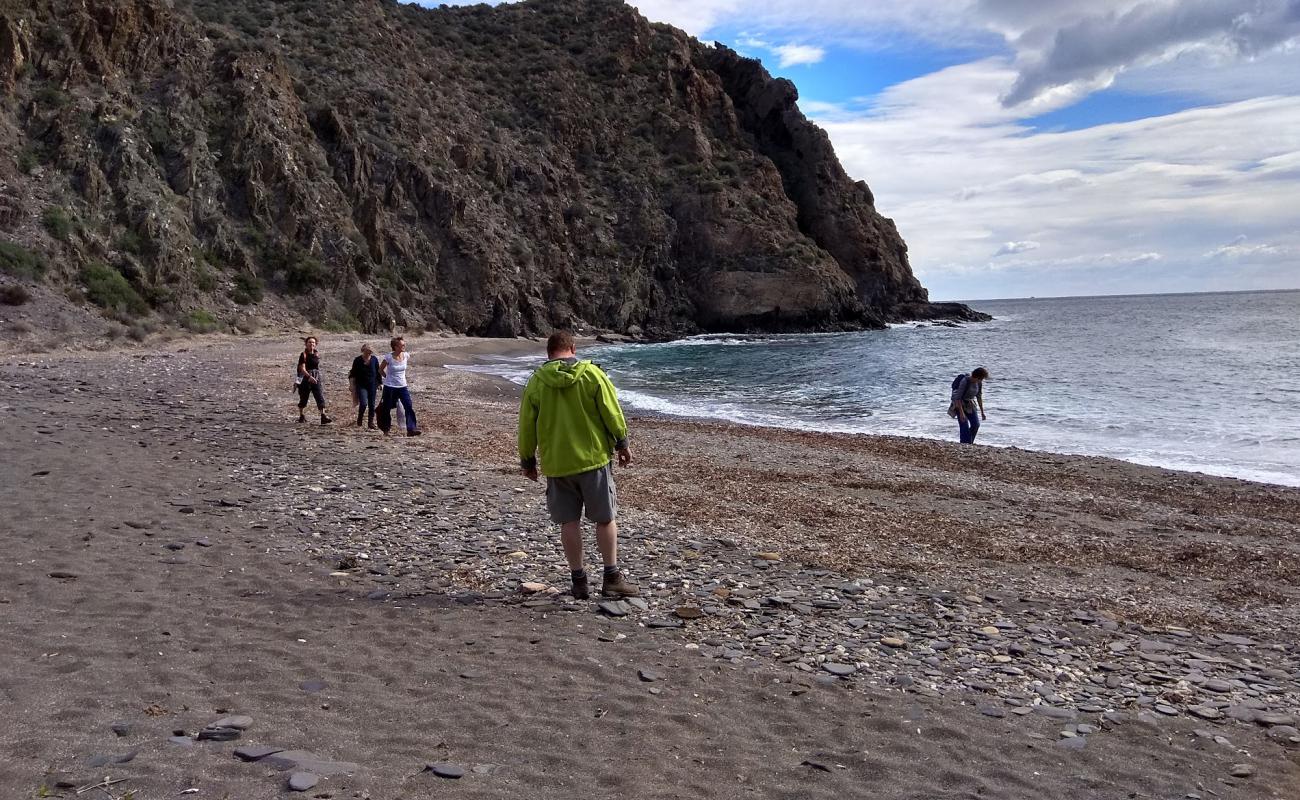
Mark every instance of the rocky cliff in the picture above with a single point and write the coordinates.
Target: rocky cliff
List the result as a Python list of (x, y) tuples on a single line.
[(493, 171)]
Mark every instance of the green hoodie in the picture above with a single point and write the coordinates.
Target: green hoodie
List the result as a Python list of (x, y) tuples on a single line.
[(570, 413)]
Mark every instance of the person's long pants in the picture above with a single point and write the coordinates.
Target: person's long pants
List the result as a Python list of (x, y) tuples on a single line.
[(307, 389), (391, 398), (365, 404), (969, 425)]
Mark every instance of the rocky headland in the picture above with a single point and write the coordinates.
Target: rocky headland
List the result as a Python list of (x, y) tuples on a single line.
[(218, 164)]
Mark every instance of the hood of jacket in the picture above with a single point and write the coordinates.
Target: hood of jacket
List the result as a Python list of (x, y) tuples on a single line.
[(562, 373)]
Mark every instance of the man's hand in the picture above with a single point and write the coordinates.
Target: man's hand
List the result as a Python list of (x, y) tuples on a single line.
[(983, 415), (530, 473), (625, 457)]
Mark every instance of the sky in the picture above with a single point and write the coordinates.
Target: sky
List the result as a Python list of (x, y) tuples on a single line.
[(1052, 147)]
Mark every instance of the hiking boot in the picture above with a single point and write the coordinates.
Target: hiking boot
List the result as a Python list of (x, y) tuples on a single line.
[(301, 419), (413, 433), (615, 586), (324, 420), (581, 591), (370, 426)]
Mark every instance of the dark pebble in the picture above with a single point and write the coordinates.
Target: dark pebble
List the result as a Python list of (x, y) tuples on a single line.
[(256, 752), (446, 770), (213, 734)]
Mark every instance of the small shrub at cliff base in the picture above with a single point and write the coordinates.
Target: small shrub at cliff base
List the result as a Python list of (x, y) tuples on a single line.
[(340, 321), (57, 222), (248, 289), (201, 320), (20, 262), (14, 295), (110, 290), (303, 273)]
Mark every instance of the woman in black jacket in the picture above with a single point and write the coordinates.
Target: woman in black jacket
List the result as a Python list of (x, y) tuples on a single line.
[(308, 380), (364, 376)]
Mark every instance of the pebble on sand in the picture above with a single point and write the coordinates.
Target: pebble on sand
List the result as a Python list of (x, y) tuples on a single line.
[(302, 781), (444, 769)]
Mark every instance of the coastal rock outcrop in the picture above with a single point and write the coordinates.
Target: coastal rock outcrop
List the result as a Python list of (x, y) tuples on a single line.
[(491, 171)]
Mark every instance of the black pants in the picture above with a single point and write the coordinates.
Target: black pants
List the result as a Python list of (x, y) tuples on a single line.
[(308, 389)]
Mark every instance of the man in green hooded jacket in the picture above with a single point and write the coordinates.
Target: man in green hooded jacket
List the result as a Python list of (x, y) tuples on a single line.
[(570, 415)]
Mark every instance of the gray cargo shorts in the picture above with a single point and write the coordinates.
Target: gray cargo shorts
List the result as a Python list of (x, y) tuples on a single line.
[(566, 497)]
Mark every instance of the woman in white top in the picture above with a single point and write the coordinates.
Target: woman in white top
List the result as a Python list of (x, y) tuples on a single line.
[(392, 370)]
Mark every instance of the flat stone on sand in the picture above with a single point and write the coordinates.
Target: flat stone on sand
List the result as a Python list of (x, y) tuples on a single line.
[(241, 722), (303, 761), (444, 769), (256, 752), (841, 670), (302, 781)]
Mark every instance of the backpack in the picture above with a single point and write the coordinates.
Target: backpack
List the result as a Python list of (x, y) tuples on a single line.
[(956, 383)]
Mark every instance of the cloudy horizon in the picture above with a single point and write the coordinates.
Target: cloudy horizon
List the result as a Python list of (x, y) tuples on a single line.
[(1047, 147)]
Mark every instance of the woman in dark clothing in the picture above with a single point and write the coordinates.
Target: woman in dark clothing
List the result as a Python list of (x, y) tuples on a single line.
[(365, 383), (309, 380)]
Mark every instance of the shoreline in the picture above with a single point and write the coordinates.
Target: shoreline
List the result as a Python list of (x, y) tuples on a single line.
[(504, 386)]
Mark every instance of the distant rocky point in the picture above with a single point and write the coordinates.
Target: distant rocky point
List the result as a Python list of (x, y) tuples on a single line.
[(365, 164)]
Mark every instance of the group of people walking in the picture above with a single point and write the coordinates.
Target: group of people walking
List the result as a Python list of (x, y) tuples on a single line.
[(570, 426), (377, 385)]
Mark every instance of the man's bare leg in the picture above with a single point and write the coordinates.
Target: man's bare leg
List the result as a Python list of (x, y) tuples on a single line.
[(607, 542), (571, 540)]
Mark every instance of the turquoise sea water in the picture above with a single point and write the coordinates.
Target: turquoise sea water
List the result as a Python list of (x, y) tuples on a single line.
[(1207, 382)]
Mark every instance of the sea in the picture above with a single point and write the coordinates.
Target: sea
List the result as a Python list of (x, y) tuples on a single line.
[(1201, 382)]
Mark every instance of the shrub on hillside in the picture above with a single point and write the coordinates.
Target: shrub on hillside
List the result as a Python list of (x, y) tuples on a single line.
[(201, 320), (14, 295), (131, 242), (57, 222), (20, 262), (110, 290), (248, 289)]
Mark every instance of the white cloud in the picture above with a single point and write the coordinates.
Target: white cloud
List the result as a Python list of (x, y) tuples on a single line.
[(1011, 248), (964, 177), (1239, 249), (794, 54)]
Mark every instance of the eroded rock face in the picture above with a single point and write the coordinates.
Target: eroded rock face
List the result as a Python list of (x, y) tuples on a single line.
[(14, 51), (494, 171)]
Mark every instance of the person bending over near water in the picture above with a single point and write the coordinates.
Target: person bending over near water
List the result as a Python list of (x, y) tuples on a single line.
[(392, 371), (364, 376), (309, 380), (967, 393), (570, 414)]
